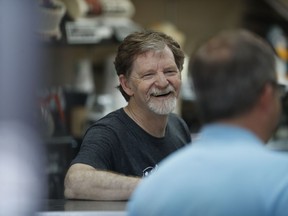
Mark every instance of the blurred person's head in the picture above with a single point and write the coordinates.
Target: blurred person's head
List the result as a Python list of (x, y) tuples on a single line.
[(233, 74), (139, 43)]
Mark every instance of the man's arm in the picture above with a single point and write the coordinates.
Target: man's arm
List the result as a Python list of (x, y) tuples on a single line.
[(85, 182)]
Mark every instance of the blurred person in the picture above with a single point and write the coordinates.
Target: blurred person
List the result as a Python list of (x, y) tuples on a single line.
[(127, 144), (22, 179), (228, 170)]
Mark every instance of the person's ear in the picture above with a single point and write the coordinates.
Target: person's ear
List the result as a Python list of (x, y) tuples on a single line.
[(267, 97), (124, 82)]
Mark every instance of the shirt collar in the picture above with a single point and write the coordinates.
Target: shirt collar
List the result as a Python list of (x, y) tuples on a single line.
[(228, 134)]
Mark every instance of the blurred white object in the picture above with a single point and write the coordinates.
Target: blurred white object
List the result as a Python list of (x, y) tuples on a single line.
[(276, 36), (87, 32), (99, 106), (50, 19), (84, 81), (111, 83), (118, 8), (88, 8), (81, 8)]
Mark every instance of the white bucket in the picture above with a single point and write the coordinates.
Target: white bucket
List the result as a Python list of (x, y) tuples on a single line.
[(50, 19)]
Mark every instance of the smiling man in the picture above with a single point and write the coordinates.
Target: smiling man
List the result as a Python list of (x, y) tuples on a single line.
[(127, 144)]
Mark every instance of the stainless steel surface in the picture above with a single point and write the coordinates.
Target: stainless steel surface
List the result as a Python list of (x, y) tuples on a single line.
[(82, 207), (81, 213)]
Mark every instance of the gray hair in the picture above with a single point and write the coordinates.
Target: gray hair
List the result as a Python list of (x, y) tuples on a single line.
[(229, 73)]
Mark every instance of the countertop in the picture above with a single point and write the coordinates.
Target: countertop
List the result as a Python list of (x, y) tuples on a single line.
[(59, 207)]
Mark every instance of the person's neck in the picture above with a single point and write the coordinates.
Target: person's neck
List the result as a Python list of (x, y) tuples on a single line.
[(149, 121), (255, 125)]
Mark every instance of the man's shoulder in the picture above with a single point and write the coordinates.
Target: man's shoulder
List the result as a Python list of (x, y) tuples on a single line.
[(115, 119), (111, 118)]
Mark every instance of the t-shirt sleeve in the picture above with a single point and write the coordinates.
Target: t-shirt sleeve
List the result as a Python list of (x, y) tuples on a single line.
[(96, 147)]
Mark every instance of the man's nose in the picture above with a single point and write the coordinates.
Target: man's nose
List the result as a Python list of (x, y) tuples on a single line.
[(161, 80)]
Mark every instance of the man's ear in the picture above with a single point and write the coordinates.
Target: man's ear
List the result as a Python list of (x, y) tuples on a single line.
[(267, 97), (125, 85)]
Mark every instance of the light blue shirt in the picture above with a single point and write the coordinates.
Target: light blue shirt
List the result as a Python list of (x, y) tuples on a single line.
[(227, 171)]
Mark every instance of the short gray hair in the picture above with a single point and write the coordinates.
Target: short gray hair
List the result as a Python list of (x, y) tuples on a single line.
[(229, 73)]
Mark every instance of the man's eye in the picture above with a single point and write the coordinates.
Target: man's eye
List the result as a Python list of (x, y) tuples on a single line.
[(171, 72), (148, 76)]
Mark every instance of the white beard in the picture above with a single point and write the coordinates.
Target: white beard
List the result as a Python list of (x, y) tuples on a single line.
[(164, 107)]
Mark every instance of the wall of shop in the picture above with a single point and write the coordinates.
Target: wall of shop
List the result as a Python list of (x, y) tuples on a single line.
[(196, 20)]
